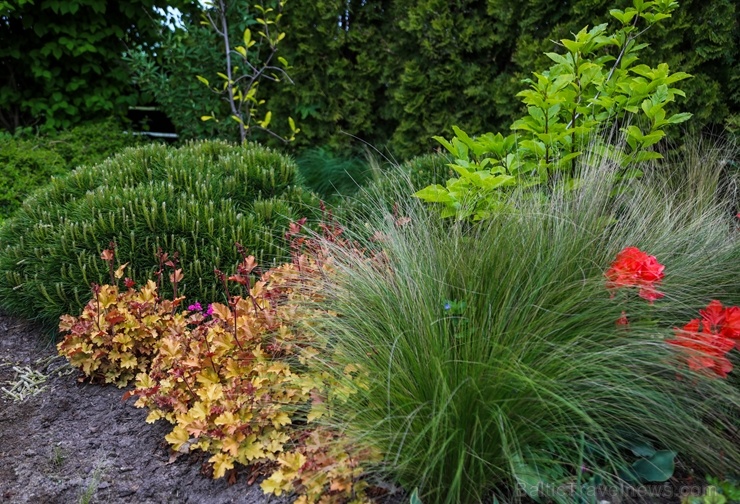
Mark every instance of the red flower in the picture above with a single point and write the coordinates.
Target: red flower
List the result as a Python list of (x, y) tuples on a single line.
[(731, 327), (635, 268), (704, 349), (707, 341), (623, 320), (713, 315)]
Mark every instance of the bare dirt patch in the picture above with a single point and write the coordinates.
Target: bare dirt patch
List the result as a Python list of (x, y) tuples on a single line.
[(62, 441)]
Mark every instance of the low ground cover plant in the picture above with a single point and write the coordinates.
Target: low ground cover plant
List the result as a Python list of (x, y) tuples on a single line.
[(198, 199)]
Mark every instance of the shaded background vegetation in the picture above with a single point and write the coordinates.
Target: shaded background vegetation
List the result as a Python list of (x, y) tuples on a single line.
[(391, 73), (397, 72)]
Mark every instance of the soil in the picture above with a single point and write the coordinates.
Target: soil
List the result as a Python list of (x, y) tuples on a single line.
[(74, 442), (71, 442)]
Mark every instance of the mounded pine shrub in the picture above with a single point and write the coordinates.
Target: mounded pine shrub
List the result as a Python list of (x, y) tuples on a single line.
[(197, 200)]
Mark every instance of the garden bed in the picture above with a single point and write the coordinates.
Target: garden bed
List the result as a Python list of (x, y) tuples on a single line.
[(75, 442)]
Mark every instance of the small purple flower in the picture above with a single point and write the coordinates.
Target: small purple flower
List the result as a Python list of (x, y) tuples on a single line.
[(196, 307), (209, 311), (447, 306)]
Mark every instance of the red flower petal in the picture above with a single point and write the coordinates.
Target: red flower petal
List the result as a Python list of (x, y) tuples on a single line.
[(713, 315)]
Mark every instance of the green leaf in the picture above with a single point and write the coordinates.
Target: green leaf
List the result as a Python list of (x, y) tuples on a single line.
[(572, 46), (447, 145), (642, 450), (415, 499), (434, 194), (266, 121), (247, 37), (679, 118), (656, 469), (557, 58)]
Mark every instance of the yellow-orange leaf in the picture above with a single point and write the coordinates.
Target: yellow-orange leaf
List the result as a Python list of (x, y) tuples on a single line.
[(128, 361), (276, 484), (230, 444), (221, 463), (292, 463), (153, 416), (178, 437), (280, 419), (250, 450), (176, 276), (119, 271), (221, 311)]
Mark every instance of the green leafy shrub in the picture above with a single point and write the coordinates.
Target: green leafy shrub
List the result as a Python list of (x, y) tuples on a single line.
[(570, 108), (197, 200), (197, 54), (497, 360), (62, 60), (28, 162), (169, 77), (24, 166), (89, 143)]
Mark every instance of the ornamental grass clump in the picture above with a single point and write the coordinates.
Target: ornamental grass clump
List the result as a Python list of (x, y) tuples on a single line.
[(197, 200), (517, 357)]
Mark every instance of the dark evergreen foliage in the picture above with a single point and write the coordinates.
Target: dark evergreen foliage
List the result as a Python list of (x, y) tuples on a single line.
[(395, 73), (60, 61)]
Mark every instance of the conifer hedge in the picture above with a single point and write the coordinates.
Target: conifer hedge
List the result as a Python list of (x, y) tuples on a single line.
[(397, 72)]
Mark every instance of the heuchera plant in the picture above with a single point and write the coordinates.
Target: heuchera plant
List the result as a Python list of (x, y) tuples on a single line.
[(118, 332), (235, 384), (584, 93), (245, 381)]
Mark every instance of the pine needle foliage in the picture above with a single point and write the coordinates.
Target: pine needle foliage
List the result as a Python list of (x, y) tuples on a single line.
[(197, 200), (493, 359), (330, 175)]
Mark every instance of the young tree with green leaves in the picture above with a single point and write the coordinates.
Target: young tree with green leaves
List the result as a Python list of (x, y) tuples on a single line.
[(593, 84), (247, 65)]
